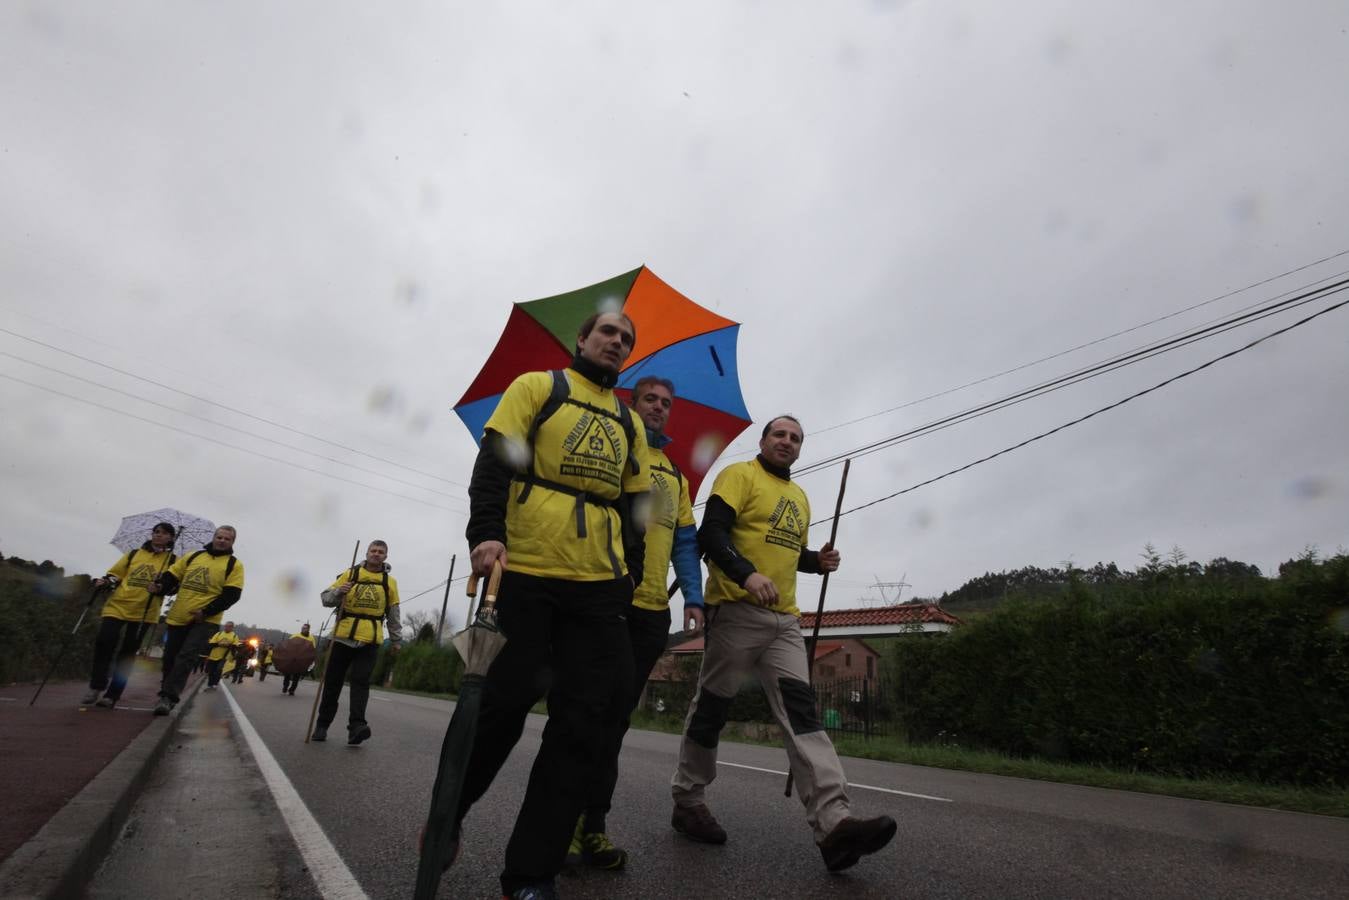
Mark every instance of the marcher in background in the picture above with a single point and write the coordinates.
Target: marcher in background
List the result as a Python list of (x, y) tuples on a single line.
[(264, 660), (220, 662), (670, 536), (243, 652), (754, 537), (289, 682), (554, 485), (207, 582), (366, 597), (127, 613)]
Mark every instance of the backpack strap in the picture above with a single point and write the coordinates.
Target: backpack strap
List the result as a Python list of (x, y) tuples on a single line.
[(561, 393), (354, 578)]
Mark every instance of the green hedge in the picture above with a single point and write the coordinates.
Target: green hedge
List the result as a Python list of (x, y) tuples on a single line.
[(423, 666), (38, 609), (1244, 677)]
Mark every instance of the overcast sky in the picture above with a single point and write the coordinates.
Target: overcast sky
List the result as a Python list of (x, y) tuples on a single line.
[(318, 215)]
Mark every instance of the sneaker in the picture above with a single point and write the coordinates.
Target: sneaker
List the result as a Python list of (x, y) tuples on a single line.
[(164, 706), (853, 839), (358, 734), (106, 702), (697, 823), (541, 891), (320, 733), (575, 850), (598, 852), (89, 698)]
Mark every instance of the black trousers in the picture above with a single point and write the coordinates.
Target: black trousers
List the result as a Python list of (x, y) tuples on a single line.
[(648, 632), (115, 648), (290, 682), (240, 667), (358, 662), (214, 667), (182, 645), (566, 640)]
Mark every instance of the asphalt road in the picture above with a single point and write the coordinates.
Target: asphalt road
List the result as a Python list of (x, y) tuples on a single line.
[(960, 834)]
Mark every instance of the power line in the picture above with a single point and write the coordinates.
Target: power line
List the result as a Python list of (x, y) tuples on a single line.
[(1090, 343), (434, 587), (274, 424), (1095, 412), (242, 431), (219, 443), (169, 369), (1095, 370)]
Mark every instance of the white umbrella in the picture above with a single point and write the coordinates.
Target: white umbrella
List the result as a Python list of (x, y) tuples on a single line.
[(193, 531)]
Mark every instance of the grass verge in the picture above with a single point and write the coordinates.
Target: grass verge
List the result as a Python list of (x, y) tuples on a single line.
[(897, 750)]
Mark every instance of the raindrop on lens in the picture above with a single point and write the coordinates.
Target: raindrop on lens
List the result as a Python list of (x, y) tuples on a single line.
[(383, 399), (515, 453), (705, 452), (291, 584)]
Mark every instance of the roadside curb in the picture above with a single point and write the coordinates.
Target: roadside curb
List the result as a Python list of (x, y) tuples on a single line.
[(63, 856)]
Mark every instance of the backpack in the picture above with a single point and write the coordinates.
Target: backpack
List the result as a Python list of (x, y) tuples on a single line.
[(560, 394), (353, 577), (229, 566)]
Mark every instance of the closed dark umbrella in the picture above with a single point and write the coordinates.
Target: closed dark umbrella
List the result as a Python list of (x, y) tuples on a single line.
[(478, 645)]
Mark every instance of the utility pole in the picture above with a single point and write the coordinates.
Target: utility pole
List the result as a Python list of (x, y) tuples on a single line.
[(444, 603)]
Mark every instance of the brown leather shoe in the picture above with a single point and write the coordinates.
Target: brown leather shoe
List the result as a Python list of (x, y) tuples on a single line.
[(697, 823), (853, 839)]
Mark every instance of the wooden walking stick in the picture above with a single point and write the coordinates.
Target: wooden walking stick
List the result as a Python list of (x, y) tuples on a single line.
[(323, 672), (824, 586)]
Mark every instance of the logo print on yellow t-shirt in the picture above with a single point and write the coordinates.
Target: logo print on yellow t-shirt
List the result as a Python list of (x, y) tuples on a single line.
[(785, 525), (595, 443), (141, 576), (198, 579), (592, 450), (366, 596), (662, 511)]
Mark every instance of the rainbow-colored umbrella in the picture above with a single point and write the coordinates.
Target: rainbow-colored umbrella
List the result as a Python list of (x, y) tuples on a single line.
[(676, 339)]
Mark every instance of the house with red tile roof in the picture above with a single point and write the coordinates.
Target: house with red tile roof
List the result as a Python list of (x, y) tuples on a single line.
[(881, 621), (841, 651)]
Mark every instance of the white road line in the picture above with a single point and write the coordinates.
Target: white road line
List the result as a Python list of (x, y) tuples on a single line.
[(330, 873), (853, 784), (9, 699)]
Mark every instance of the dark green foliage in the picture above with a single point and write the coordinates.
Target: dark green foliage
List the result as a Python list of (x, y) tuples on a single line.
[(424, 666), (38, 609), (1171, 672)]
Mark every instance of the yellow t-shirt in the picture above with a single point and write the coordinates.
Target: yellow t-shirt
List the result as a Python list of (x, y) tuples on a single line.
[(136, 570), (222, 642), (201, 582), (366, 598), (307, 637), (772, 518), (667, 507), (576, 447)]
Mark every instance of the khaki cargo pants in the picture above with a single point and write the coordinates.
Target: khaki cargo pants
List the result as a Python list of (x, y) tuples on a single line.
[(743, 638)]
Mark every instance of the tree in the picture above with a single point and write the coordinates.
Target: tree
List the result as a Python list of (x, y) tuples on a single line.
[(1222, 567), (417, 622)]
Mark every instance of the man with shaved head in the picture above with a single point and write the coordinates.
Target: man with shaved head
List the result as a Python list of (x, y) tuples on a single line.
[(753, 535)]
